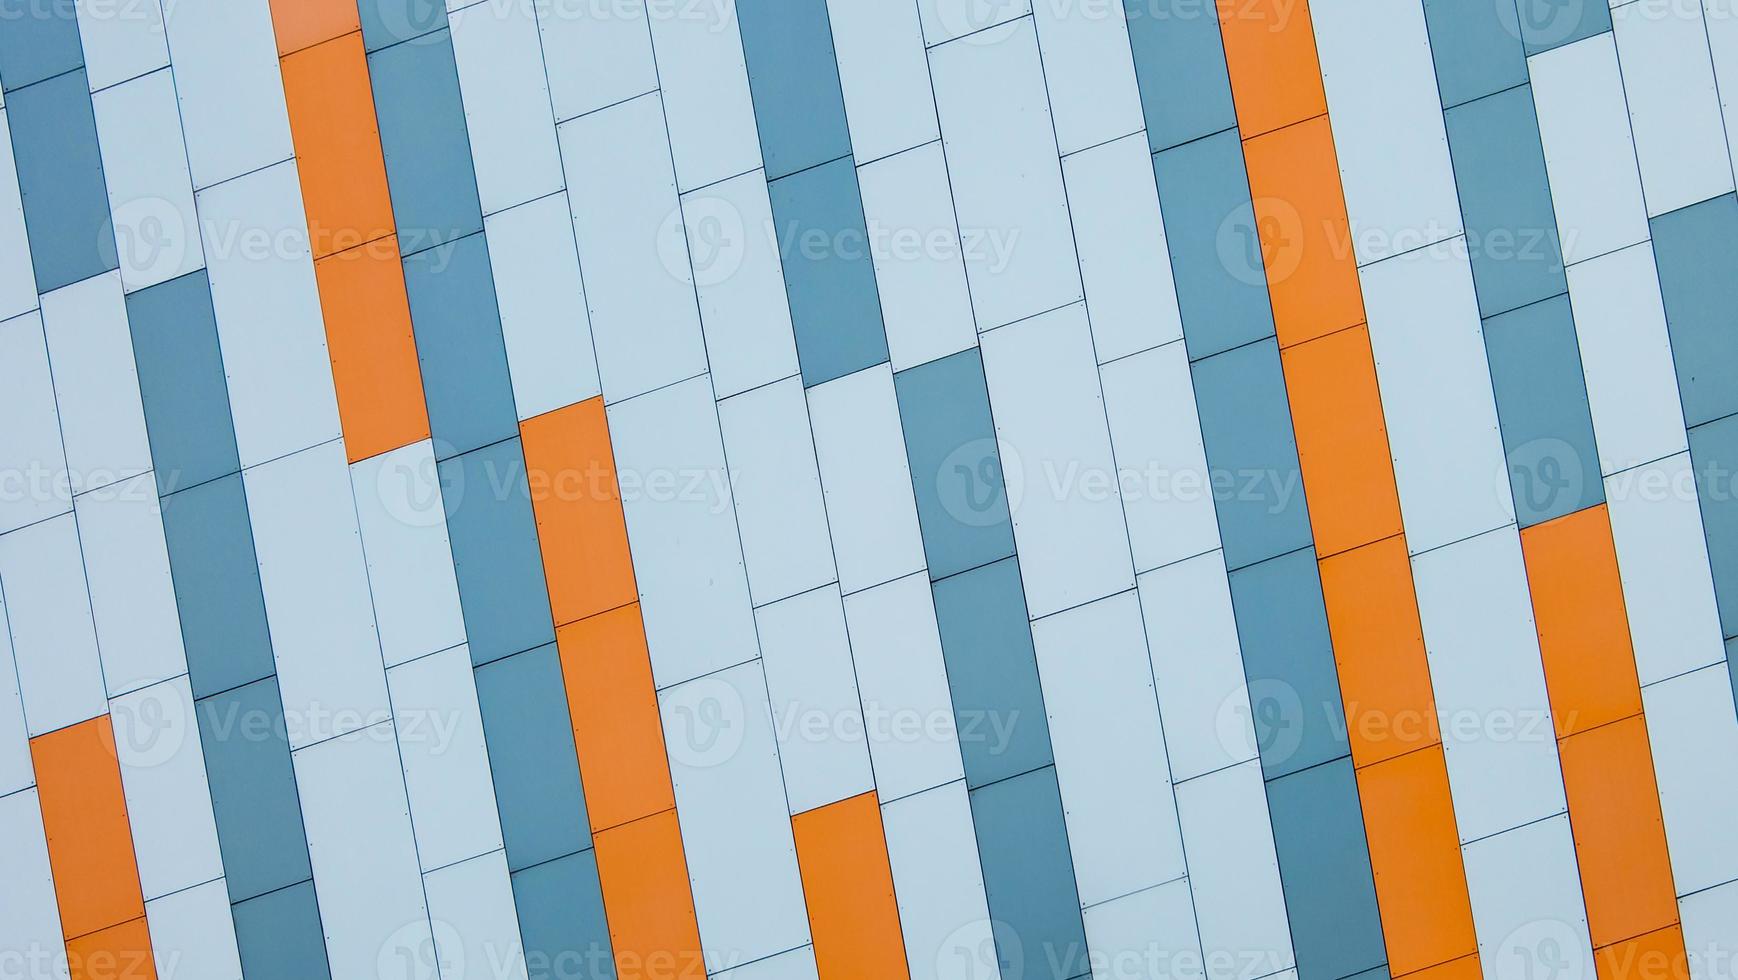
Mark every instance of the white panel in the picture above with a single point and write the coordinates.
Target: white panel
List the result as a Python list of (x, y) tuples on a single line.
[(16, 770), (739, 278), (940, 886), (29, 917), (1721, 19), (1007, 182), (777, 487), (1150, 934), (1436, 397), (1234, 874), (632, 248), (796, 964), (1198, 665), (232, 96), (150, 193), (359, 841), (705, 90), (121, 40), (197, 926), (32, 465), (53, 639), (1662, 553), (500, 64), (1167, 496), (1110, 750), (476, 925), (96, 382), (1526, 899), (682, 527), (446, 768), (1388, 129), (1694, 737), (1711, 931), (884, 74), (315, 583), (1055, 450), (17, 276), (1090, 72), (866, 478), (815, 709), (944, 20), (919, 270), (594, 61), (132, 595), (1490, 684), (268, 315), (1673, 104), (742, 861), (402, 518), (902, 680), (168, 799), (542, 300)]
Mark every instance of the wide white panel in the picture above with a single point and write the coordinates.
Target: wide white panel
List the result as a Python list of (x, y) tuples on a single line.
[(1662, 555), (17, 275), (1694, 737), (705, 91), (168, 799), (1710, 921), (733, 244), (1167, 495), (476, 924), (1198, 665), (402, 519), (884, 74), (53, 638), (506, 97), (777, 487), (595, 61), (197, 926), (542, 301), (816, 713), (446, 767), (682, 526), (1674, 106), (315, 583), (96, 382), (16, 769), (742, 861), (131, 592), (32, 464), (996, 128), (796, 964), (866, 479), (920, 272), (1589, 155), (29, 917), (150, 191), (632, 248), (1148, 934), (1121, 237), (121, 40), (1526, 898), (1055, 450), (1090, 72), (1234, 874), (232, 96), (940, 886), (944, 20)]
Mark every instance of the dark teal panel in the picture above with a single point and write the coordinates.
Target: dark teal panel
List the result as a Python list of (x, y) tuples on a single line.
[(829, 272), (279, 936), (531, 755), (1180, 67), (1476, 46), (1547, 24), (1714, 453), (502, 592), (217, 586), (387, 22), (1324, 869), (956, 472), (459, 346), (794, 79), (60, 179), (561, 919), (182, 383), (38, 40), (1505, 198), (986, 642), (253, 790), (1694, 247), (1252, 454), (1029, 877), (425, 143), (1215, 251)]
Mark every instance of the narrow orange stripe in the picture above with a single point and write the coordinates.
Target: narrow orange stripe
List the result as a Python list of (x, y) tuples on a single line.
[(337, 141), (120, 952), (1306, 240), (303, 23), (616, 727), (84, 815), (1620, 837), (652, 924), (1655, 956), (1379, 649), (848, 882), (372, 347), (1270, 49), (572, 474)]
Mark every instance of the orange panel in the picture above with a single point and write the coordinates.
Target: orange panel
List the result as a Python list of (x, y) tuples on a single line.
[(373, 350), (572, 473), (1655, 956), (644, 876), (1415, 854), (1342, 441), (121, 952), (1312, 275), (1379, 647), (337, 142), (1270, 50), (614, 707), (84, 813), (303, 23), (1465, 968), (1583, 628), (1620, 840), (849, 887)]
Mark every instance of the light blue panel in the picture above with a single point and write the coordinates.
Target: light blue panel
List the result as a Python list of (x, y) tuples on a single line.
[(1180, 65), (829, 273), (956, 472), (794, 80), (458, 345), (425, 143), (531, 756), (279, 936), (1714, 453), (387, 22), (561, 918), (1215, 251), (986, 642), (253, 790), (1547, 24), (502, 592), (217, 586), (1324, 868), (1251, 454), (1476, 46), (1511, 229), (182, 384), (1029, 877), (1694, 248), (60, 180), (40, 41), (1542, 408)]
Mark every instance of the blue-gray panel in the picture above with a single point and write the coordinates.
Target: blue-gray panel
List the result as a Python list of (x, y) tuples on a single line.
[(502, 592), (986, 642), (1215, 251), (1547, 24), (1476, 46), (38, 40), (531, 755), (1542, 409), (387, 22), (1505, 199), (1714, 453), (794, 79), (217, 586), (1324, 870), (1029, 877), (1180, 67), (1288, 657), (956, 472), (425, 143), (279, 936), (1252, 454), (182, 384), (253, 790), (60, 179), (829, 273), (458, 345), (1694, 247), (561, 919)]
